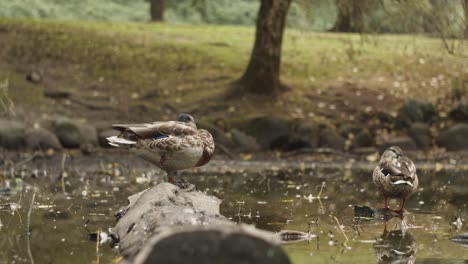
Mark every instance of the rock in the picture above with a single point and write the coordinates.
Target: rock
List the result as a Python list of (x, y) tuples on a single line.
[(88, 133), (68, 132), (303, 136), (269, 131), (103, 135), (414, 111), (454, 138), (404, 142), (12, 134), (244, 142), (363, 139), (329, 138), (460, 113), (73, 134), (345, 129), (34, 77), (218, 134), (421, 134), (57, 94), (308, 133), (40, 138)]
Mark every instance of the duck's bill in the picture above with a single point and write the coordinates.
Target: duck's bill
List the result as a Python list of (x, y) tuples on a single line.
[(403, 182)]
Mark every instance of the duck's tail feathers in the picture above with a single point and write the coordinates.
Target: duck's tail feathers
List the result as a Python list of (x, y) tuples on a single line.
[(119, 141)]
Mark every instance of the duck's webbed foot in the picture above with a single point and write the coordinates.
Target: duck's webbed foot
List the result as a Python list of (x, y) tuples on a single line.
[(184, 185)]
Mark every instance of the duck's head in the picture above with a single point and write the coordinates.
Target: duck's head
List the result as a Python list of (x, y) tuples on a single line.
[(392, 152), (186, 118)]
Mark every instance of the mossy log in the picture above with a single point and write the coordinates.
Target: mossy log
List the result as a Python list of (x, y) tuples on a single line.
[(166, 224)]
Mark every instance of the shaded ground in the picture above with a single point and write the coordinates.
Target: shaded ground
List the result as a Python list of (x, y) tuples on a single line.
[(141, 72)]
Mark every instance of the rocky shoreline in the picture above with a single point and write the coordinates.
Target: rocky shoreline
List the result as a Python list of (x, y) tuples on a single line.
[(267, 133), (412, 129)]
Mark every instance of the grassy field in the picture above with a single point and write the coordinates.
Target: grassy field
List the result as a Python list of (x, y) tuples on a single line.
[(142, 72)]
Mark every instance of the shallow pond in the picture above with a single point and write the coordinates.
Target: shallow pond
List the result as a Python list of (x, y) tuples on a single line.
[(319, 200)]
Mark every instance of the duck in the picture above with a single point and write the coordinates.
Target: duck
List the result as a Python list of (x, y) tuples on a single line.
[(170, 145), (395, 176)]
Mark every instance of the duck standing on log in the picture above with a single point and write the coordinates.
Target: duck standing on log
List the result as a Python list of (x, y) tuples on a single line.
[(171, 145), (395, 176)]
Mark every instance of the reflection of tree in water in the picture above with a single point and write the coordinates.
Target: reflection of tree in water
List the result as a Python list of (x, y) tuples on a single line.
[(395, 247)]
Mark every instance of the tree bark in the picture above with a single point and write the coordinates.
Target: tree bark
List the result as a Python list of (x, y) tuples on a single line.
[(262, 75), (157, 10), (465, 7), (350, 16)]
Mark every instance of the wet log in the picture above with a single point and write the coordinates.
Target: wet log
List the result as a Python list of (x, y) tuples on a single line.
[(166, 224)]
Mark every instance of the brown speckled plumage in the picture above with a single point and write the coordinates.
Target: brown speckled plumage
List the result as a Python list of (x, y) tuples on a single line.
[(172, 145), (395, 176)]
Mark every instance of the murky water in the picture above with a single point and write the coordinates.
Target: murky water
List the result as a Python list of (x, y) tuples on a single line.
[(320, 201)]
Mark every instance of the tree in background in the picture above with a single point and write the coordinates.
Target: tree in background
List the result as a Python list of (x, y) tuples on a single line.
[(351, 15), (465, 8), (157, 10), (263, 71)]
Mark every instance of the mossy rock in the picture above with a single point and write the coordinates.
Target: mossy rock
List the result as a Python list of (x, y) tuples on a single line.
[(414, 111), (12, 134), (454, 138)]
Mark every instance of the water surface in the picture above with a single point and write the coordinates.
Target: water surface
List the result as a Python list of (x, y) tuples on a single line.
[(320, 201)]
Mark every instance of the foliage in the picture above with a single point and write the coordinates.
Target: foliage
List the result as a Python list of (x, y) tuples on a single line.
[(389, 16), (114, 10), (422, 16), (241, 12)]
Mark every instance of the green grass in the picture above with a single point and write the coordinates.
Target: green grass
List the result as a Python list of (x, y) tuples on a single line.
[(190, 65)]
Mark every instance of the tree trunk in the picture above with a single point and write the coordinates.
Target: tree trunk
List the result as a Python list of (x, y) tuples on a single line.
[(157, 10), (263, 71), (465, 7), (350, 16)]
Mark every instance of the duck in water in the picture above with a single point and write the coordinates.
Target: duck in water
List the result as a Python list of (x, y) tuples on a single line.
[(395, 176), (171, 145)]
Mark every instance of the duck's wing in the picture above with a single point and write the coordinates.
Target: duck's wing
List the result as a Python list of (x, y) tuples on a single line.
[(156, 129), (408, 169), (389, 167), (401, 171), (169, 144)]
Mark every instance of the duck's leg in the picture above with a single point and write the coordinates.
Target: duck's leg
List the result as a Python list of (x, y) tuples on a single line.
[(402, 209), (170, 179), (385, 200)]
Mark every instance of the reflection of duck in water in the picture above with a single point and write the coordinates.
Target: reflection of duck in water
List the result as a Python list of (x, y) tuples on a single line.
[(395, 247), (395, 176)]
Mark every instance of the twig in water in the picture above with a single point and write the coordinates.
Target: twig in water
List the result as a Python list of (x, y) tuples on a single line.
[(25, 161), (342, 231), (64, 173), (97, 245), (321, 189), (28, 233)]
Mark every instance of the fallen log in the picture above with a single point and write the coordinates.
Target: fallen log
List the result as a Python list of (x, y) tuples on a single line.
[(166, 224)]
